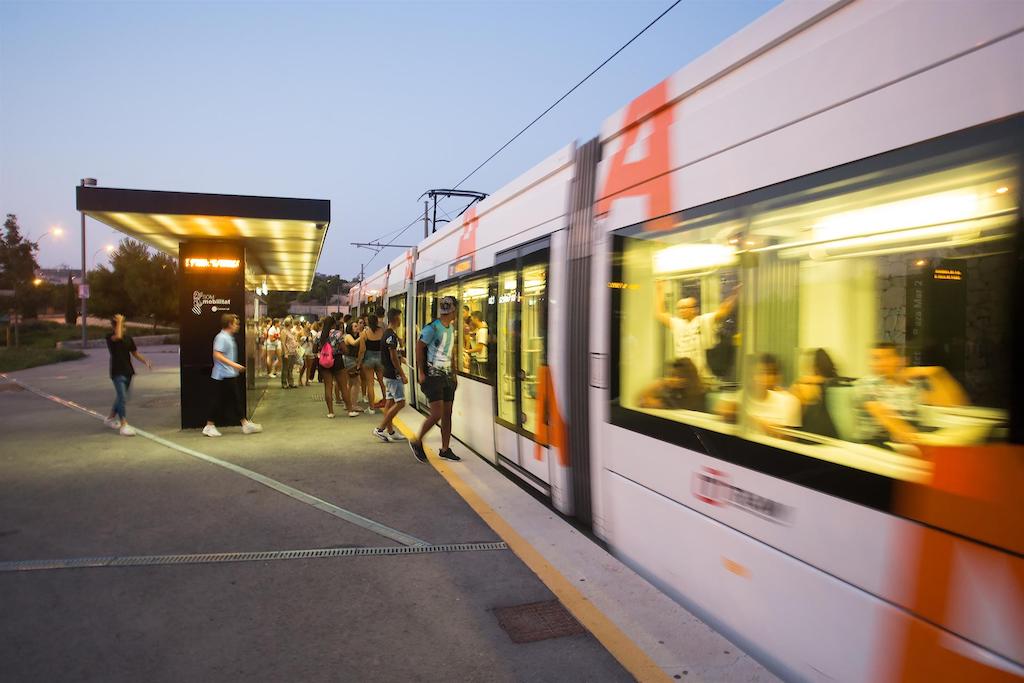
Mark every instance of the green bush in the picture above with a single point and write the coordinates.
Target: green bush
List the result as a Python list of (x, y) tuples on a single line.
[(12, 359)]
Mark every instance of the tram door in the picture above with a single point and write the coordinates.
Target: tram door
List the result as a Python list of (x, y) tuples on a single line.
[(426, 310), (522, 320)]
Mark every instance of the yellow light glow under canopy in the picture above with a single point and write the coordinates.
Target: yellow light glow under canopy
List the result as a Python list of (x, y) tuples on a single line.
[(283, 238)]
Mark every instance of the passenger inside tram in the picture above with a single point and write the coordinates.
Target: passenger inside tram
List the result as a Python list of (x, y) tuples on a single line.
[(680, 389), (901, 277)]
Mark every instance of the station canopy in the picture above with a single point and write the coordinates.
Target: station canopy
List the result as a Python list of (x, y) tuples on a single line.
[(283, 238)]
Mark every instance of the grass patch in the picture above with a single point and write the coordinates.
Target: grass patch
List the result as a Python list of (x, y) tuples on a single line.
[(12, 359), (44, 334)]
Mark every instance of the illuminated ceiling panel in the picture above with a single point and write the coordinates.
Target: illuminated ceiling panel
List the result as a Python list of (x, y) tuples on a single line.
[(283, 238)]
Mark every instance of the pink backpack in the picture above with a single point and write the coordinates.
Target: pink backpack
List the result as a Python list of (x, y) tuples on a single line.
[(327, 356)]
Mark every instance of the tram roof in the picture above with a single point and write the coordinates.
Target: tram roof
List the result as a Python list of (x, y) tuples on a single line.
[(283, 237)]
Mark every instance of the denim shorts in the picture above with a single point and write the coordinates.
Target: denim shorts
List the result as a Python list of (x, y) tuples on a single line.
[(349, 362), (371, 359), (395, 389)]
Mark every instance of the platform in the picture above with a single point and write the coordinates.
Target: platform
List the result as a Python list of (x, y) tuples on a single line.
[(309, 552)]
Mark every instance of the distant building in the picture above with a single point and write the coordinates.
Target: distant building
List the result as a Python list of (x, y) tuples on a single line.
[(338, 303), (59, 276)]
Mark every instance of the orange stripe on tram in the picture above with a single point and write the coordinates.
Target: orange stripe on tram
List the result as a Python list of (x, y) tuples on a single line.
[(550, 427)]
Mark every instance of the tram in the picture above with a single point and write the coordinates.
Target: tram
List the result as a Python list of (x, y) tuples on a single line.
[(763, 334)]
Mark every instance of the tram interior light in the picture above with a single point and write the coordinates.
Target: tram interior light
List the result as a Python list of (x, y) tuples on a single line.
[(688, 257), (929, 210)]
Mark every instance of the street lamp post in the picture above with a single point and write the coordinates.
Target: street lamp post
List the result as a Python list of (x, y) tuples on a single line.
[(82, 286)]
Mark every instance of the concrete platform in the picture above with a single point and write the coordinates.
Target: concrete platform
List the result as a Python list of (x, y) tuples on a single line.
[(73, 489)]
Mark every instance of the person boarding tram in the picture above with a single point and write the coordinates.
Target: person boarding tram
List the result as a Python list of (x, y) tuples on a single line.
[(437, 376)]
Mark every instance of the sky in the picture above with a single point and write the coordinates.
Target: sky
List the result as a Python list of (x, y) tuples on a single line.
[(367, 104)]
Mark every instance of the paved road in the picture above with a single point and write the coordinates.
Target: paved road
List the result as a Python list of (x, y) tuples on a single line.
[(75, 489)]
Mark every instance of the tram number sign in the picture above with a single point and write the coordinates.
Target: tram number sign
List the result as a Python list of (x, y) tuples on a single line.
[(713, 487)]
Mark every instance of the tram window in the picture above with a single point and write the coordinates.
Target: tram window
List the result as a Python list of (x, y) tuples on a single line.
[(476, 303), (398, 302), (533, 340), (853, 321), (508, 335)]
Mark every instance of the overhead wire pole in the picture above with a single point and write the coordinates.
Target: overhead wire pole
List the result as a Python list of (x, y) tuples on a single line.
[(515, 137)]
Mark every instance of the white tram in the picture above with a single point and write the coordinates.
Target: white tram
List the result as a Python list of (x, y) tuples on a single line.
[(822, 216)]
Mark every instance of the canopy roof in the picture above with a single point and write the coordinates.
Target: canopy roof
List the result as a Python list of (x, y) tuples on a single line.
[(282, 237)]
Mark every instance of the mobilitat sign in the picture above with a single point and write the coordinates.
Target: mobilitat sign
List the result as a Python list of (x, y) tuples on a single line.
[(713, 487), (193, 263), (200, 299)]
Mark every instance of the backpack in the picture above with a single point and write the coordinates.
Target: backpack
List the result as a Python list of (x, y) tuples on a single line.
[(326, 356)]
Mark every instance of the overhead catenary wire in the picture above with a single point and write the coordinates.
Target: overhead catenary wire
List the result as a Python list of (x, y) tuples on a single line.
[(567, 93), (515, 137)]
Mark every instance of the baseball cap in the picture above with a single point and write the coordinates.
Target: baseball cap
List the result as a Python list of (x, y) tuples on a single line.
[(447, 305)]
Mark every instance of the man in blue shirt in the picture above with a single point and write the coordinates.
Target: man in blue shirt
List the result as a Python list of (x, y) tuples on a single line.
[(226, 392), (436, 373)]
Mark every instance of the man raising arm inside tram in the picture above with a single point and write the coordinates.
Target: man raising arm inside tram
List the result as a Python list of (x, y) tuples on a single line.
[(693, 333)]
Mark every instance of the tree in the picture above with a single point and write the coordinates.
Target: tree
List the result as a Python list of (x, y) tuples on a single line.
[(18, 267), (70, 302), (138, 283)]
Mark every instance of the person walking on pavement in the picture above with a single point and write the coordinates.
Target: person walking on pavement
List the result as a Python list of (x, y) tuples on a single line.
[(394, 379), (226, 391), (436, 373), (121, 348)]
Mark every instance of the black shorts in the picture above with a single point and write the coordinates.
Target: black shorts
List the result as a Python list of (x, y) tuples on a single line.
[(439, 388)]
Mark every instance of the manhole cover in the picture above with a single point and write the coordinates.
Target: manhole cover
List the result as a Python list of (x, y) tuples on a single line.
[(537, 621)]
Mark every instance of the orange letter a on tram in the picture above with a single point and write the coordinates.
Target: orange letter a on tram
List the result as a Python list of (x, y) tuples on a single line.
[(648, 176)]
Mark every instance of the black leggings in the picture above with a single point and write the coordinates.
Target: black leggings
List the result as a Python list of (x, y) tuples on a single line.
[(225, 401)]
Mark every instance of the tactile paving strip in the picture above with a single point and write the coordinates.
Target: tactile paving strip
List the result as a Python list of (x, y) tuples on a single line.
[(537, 621), (315, 553)]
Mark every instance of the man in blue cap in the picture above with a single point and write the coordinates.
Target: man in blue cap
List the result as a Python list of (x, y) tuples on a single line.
[(436, 373)]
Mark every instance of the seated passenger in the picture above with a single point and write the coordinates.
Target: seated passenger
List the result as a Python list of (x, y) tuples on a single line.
[(888, 399), (811, 388), (769, 406), (681, 389)]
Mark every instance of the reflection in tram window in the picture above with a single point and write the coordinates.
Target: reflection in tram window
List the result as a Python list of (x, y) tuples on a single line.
[(532, 339), (853, 321), (508, 336), (476, 338)]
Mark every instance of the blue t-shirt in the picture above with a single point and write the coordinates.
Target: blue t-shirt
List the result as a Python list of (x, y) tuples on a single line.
[(439, 340), (225, 343)]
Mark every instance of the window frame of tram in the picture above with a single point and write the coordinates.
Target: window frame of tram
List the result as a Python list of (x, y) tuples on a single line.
[(485, 280), (808, 269), (509, 269), (398, 301)]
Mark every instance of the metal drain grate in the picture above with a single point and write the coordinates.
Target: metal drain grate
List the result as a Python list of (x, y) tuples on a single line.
[(537, 621), (149, 560)]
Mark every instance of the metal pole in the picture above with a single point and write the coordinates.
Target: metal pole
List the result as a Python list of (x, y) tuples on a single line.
[(82, 285), (434, 225), (426, 219)]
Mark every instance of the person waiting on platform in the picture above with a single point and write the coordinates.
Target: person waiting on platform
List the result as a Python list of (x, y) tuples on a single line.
[(680, 389), (693, 333), (888, 400)]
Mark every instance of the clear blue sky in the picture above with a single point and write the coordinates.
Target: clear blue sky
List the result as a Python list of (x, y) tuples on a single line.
[(365, 104)]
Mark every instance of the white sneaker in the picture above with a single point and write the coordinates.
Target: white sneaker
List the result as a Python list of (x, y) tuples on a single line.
[(370, 410), (251, 428), (126, 430), (395, 436), (330, 415), (354, 413), (210, 430), (380, 434), (112, 422)]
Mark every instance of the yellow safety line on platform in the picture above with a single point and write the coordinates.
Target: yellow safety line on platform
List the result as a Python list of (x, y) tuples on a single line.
[(621, 646)]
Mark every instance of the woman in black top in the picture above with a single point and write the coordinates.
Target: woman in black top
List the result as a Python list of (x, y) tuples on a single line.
[(369, 362)]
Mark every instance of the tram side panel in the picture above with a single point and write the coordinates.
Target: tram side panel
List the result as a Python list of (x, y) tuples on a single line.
[(526, 214), (710, 146)]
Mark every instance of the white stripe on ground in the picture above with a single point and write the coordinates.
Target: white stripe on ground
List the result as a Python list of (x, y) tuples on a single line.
[(302, 496)]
